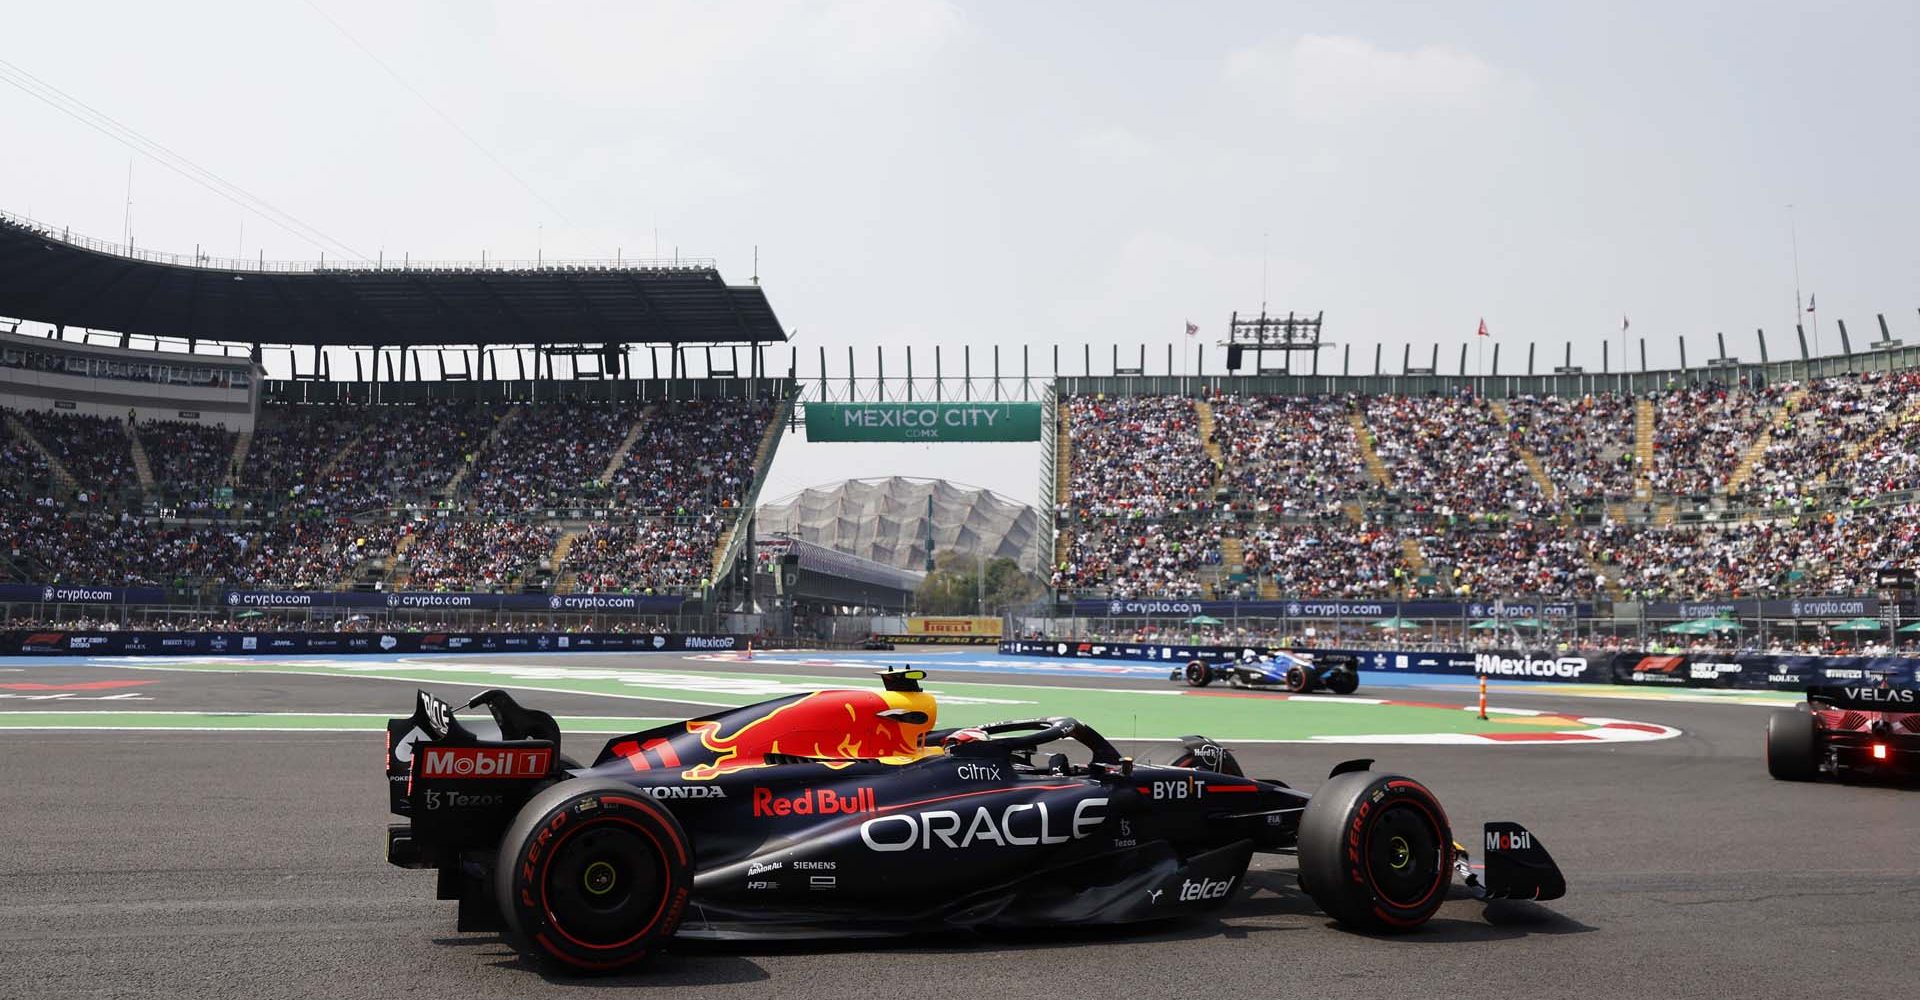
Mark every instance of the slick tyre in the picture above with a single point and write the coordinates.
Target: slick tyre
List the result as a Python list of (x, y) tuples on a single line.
[(1793, 746), (1376, 851), (1343, 682), (592, 877), (1198, 674), (1298, 680)]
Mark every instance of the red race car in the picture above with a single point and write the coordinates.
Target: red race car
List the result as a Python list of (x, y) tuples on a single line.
[(1864, 731)]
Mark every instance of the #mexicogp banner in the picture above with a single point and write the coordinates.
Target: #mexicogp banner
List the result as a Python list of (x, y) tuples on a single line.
[(911, 422)]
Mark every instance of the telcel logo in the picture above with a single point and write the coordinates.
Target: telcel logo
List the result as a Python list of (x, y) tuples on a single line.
[(1206, 888)]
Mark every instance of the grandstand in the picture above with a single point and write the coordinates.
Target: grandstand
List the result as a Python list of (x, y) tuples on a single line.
[(886, 520), (190, 471)]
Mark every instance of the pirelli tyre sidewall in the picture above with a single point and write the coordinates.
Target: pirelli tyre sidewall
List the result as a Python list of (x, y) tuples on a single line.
[(1198, 674), (1298, 680), (1376, 851), (593, 876), (1793, 745)]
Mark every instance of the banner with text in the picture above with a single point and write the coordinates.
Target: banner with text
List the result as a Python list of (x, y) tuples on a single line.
[(912, 422)]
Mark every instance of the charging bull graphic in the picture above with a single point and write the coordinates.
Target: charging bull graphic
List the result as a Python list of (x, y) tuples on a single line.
[(844, 725)]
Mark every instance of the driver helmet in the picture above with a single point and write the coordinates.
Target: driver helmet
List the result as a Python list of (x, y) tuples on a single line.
[(967, 735)]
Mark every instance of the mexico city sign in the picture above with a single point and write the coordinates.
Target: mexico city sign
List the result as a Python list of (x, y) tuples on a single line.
[(923, 422)]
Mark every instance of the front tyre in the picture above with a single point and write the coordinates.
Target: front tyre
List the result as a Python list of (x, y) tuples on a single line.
[(1376, 851), (592, 876), (1198, 674), (1793, 746)]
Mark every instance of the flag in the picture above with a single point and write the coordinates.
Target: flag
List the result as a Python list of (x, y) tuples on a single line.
[(1483, 326), (1623, 323), (1809, 303), (1193, 329)]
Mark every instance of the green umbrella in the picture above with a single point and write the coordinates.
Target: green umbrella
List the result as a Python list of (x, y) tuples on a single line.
[(1486, 625), (1860, 625), (1531, 623), (1723, 625), (1703, 626), (1204, 620), (249, 613), (1396, 623), (1915, 627)]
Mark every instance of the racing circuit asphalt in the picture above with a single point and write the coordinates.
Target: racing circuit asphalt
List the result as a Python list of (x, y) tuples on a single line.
[(250, 865)]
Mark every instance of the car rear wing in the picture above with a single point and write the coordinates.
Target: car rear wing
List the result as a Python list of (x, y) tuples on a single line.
[(459, 782), (1867, 697)]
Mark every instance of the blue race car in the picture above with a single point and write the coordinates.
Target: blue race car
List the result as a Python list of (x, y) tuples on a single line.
[(1299, 673)]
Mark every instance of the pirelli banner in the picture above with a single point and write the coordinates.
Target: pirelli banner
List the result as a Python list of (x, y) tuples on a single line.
[(986, 628), (923, 422)]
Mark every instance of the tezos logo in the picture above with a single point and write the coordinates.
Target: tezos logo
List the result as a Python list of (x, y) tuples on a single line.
[(1205, 889), (978, 772), (437, 799)]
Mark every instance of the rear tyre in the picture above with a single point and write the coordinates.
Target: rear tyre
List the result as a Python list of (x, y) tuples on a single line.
[(592, 876), (1198, 674), (1343, 682), (1298, 680), (1793, 746), (1376, 851)]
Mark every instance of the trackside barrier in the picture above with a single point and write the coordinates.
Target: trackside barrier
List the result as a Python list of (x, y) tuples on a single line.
[(1748, 671), (56, 642)]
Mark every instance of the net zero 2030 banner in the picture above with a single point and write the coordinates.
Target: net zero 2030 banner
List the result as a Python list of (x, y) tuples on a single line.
[(923, 422)]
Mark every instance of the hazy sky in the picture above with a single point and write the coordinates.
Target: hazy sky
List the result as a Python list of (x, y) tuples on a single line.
[(1028, 173)]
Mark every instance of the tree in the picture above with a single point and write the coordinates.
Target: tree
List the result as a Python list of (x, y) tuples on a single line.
[(952, 587)]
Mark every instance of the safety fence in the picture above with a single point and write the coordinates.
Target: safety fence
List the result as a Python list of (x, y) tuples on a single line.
[(1710, 670)]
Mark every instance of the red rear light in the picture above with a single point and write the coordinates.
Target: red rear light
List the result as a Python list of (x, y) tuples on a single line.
[(1879, 751)]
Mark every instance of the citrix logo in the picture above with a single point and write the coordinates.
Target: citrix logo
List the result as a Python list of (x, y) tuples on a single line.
[(978, 772)]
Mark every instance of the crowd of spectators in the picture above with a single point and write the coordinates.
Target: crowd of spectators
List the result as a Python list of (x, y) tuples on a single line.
[(1585, 444), (1137, 456), (1469, 557), (293, 445), (692, 456), (550, 453), (405, 454), (1127, 558), (653, 555), (94, 450), (491, 554), (1850, 429), (1326, 560), (187, 459), (1700, 433), (1451, 454), (1288, 455)]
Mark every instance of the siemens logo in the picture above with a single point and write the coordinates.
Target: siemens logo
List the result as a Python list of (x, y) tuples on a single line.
[(1523, 666)]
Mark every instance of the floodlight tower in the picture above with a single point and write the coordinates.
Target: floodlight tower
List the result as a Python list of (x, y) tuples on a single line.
[(1291, 334)]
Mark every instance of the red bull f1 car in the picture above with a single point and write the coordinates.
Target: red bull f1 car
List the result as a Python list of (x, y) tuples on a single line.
[(1300, 673), (1861, 731), (849, 813)]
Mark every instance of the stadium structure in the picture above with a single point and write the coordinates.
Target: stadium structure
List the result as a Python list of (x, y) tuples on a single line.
[(594, 434), (893, 519)]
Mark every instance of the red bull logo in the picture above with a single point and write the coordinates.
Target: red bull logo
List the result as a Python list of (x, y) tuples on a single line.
[(814, 802), (842, 725)]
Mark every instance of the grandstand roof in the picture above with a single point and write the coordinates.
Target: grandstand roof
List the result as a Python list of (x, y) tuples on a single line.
[(885, 520), (59, 278)]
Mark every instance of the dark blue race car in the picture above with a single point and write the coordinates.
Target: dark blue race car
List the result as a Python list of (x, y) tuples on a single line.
[(1296, 672)]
